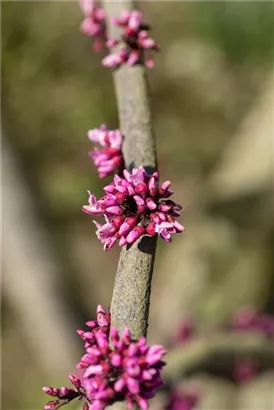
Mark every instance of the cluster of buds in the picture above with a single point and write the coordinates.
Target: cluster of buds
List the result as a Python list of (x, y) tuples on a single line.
[(133, 42), (101, 324), (186, 331), (244, 370), (114, 370), (248, 319), (122, 369), (182, 399), (109, 158), (94, 23), (134, 206), (65, 395)]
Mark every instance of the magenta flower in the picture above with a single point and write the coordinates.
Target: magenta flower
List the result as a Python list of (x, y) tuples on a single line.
[(135, 38), (115, 370), (183, 399), (247, 319), (65, 395), (134, 206), (130, 370), (101, 324), (186, 331), (94, 24), (244, 371), (110, 156)]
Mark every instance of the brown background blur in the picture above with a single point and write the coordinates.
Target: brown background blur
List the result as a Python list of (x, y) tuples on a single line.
[(212, 100)]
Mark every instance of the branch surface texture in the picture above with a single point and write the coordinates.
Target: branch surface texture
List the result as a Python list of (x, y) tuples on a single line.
[(131, 294)]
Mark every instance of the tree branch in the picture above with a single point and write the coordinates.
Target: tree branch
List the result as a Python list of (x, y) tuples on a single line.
[(217, 353), (131, 294)]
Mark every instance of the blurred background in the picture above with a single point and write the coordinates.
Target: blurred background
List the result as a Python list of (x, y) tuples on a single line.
[(212, 100)]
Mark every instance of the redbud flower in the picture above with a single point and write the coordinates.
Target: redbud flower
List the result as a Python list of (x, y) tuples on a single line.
[(134, 205), (115, 370), (93, 24), (185, 331), (247, 319), (110, 156), (183, 399), (101, 324), (135, 38), (244, 370), (129, 370), (64, 395)]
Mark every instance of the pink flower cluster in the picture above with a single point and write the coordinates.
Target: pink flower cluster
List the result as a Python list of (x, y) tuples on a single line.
[(94, 24), (182, 399), (130, 370), (134, 206), (64, 395), (115, 370), (186, 331), (135, 40), (101, 324), (110, 156), (245, 370), (248, 319)]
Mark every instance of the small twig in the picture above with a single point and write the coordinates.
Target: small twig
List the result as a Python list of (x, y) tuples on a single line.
[(61, 403), (131, 294)]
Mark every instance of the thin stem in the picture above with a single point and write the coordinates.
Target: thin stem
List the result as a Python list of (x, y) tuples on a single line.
[(131, 294)]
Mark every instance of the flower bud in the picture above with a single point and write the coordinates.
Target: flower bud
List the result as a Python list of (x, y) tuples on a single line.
[(75, 381), (48, 390)]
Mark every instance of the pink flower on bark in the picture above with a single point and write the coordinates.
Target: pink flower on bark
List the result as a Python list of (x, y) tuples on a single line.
[(129, 370), (101, 324), (135, 205), (115, 370), (94, 24), (110, 156), (135, 39)]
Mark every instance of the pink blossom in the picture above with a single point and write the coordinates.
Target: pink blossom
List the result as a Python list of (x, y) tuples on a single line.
[(93, 24), (123, 19), (133, 57), (109, 157), (105, 232), (135, 39), (106, 137), (166, 229), (101, 324), (247, 319), (183, 399), (93, 208), (115, 370), (87, 7), (186, 331), (114, 60), (129, 370), (244, 370), (63, 395), (134, 206)]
